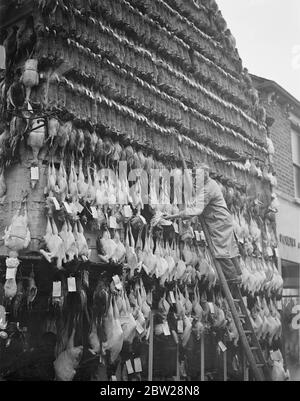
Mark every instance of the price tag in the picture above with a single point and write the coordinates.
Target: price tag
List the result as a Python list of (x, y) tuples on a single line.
[(143, 219), (211, 307), (148, 334), (245, 299), (202, 236), (241, 240), (71, 284), (86, 277), (176, 229), (279, 305), (127, 211), (56, 291), (67, 207), (258, 301), (11, 272), (117, 282), (94, 212), (137, 365), (113, 222), (222, 346), (269, 251), (56, 204), (139, 328), (79, 207), (180, 326), (129, 367), (166, 329), (2, 58), (197, 235), (172, 297), (114, 378), (34, 173), (276, 252)]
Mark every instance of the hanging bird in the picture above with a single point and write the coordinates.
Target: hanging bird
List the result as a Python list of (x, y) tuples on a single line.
[(16, 95), (10, 44), (26, 39)]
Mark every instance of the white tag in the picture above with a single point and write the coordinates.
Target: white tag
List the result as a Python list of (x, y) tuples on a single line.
[(180, 326), (166, 329), (34, 173), (146, 269), (129, 367), (172, 297), (202, 236), (211, 307), (276, 252), (56, 291), (197, 235), (113, 222), (137, 365), (127, 211), (94, 212), (269, 251), (11, 272), (275, 355), (148, 334), (113, 378), (143, 219), (56, 204), (258, 301), (71, 284), (86, 277), (139, 328), (176, 229), (79, 207), (117, 282), (222, 346), (67, 207), (241, 240), (245, 299), (279, 305)]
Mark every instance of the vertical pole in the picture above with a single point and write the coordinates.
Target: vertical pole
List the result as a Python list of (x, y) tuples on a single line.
[(177, 364), (245, 368), (225, 366), (150, 357), (202, 359)]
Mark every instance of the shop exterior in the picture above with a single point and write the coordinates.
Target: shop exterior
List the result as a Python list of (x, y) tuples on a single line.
[(91, 269), (283, 113)]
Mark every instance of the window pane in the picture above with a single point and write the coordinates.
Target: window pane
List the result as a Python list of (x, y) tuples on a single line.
[(296, 147), (297, 181)]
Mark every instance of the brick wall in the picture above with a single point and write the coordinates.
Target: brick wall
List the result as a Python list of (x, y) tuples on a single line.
[(281, 137)]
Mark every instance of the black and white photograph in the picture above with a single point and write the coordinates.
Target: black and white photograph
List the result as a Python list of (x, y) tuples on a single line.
[(149, 193)]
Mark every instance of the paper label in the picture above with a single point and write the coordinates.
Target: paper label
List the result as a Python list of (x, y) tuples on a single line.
[(34, 173), (211, 307), (94, 212), (222, 346), (139, 328), (202, 236), (11, 272), (67, 207), (56, 204), (127, 211), (279, 305), (79, 207), (137, 365), (129, 367), (143, 219), (148, 334), (166, 329), (56, 291), (197, 235), (180, 326), (269, 251), (245, 299), (113, 378), (71, 284), (276, 252), (117, 282), (258, 301), (2, 58), (172, 297), (176, 229), (113, 222)]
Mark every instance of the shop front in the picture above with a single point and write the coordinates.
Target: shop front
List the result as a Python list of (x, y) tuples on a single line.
[(288, 224)]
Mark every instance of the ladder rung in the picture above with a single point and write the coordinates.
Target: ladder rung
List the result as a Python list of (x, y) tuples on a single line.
[(260, 365), (248, 331), (242, 316), (254, 348), (237, 300)]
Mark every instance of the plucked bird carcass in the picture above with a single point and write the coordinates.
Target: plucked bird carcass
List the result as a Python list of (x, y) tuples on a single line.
[(54, 244), (36, 138)]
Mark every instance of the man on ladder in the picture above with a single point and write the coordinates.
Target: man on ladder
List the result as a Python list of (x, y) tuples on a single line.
[(210, 203)]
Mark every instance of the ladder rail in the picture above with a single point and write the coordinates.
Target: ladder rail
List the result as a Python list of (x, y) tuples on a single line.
[(256, 371)]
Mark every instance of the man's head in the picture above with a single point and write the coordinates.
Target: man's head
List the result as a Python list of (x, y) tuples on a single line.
[(202, 168)]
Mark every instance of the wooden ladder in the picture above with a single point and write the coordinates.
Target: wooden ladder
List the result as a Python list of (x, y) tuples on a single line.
[(249, 342)]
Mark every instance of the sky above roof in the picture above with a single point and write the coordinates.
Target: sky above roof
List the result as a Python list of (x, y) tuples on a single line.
[(267, 33)]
